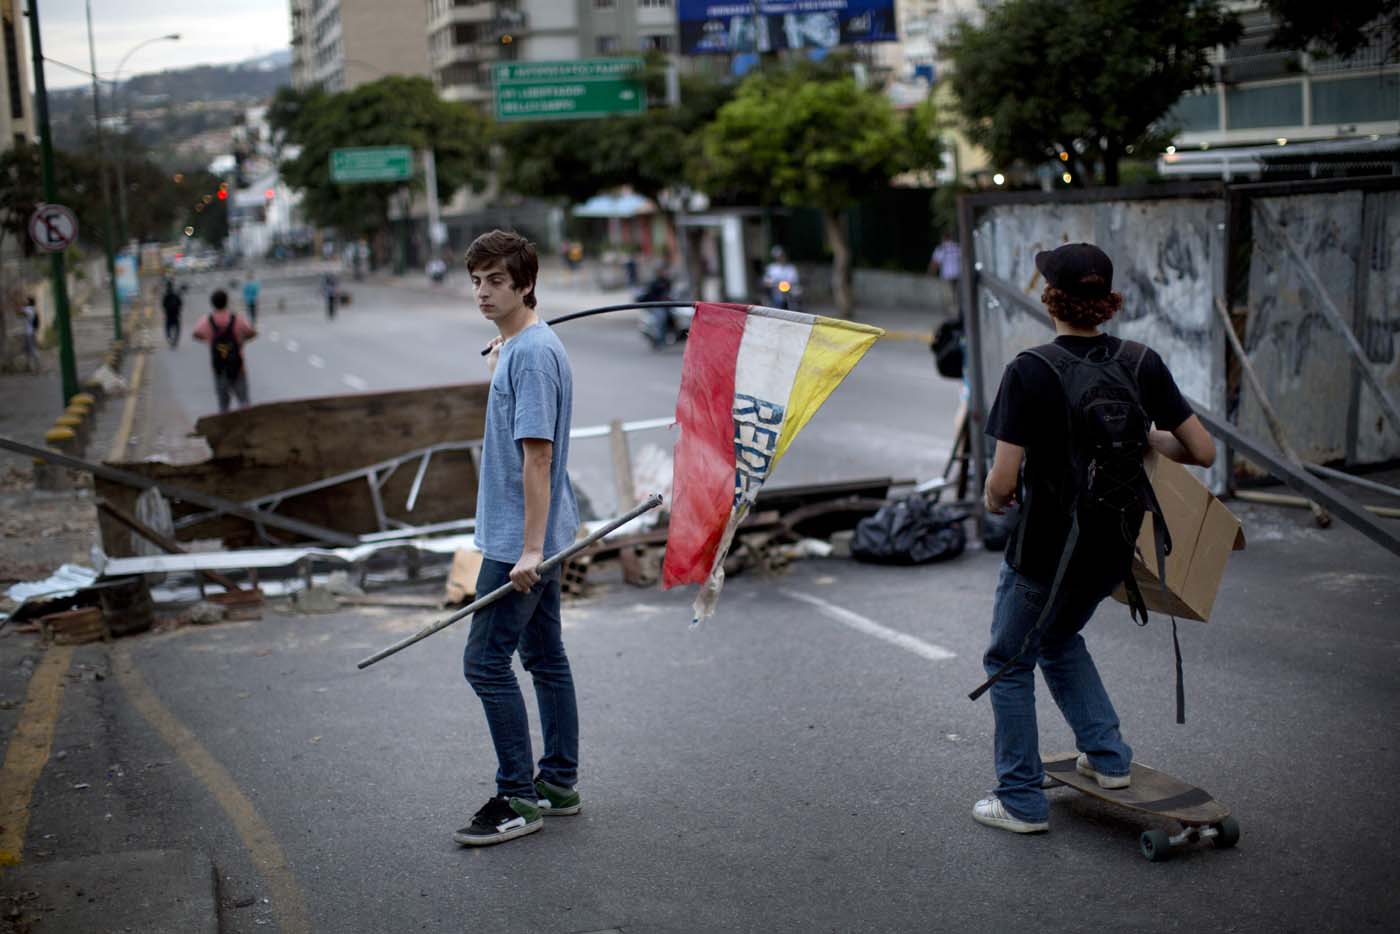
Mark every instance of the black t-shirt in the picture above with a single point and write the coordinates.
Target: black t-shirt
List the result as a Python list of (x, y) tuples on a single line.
[(1030, 411)]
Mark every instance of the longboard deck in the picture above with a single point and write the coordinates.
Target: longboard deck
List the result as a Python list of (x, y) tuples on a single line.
[(1151, 792)]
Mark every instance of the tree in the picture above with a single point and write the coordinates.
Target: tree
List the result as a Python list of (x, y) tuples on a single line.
[(808, 135), (1336, 28), (1088, 78), (393, 111)]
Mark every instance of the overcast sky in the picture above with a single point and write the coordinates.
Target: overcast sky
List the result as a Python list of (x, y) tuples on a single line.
[(211, 32)]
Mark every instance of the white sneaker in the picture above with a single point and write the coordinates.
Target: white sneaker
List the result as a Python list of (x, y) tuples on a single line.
[(1082, 766), (993, 813)]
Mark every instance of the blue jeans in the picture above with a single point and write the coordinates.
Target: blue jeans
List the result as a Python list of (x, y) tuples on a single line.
[(528, 622), (1069, 673)]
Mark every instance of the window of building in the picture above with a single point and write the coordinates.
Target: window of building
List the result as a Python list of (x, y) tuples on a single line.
[(661, 43), (1356, 100), (1196, 113), (604, 4), (654, 4), (466, 33), (608, 44), (1267, 106)]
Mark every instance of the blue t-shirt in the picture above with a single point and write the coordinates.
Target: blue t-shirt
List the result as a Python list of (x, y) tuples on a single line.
[(532, 396)]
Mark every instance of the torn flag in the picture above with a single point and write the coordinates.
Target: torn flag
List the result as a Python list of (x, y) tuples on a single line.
[(752, 378)]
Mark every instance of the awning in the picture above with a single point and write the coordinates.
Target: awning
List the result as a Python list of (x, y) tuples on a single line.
[(606, 206)]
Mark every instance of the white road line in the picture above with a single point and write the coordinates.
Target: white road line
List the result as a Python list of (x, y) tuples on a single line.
[(934, 653), (292, 345), (354, 382), (316, 361)]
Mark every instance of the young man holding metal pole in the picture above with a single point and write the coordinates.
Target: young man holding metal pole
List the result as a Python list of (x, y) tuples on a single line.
[(525, 509)]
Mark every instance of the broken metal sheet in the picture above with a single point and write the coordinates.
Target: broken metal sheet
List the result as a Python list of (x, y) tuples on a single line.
[(65, 582), (249, 558)]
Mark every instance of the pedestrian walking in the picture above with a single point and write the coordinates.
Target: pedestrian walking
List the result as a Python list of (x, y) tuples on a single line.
[(30, 313), (226, 334), (330, 289), (525, 509), (251, 288), (1070, 550), (172, 303), (946, 261)]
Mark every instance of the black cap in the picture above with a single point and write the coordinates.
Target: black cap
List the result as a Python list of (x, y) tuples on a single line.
[(1078, 269)]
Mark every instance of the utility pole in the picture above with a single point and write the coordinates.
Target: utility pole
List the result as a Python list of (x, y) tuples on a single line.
[(106, 186), (67, 364)]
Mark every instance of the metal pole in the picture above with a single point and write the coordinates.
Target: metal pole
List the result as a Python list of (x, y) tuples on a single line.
[(435, 239), (968, 281), (652, 502), (67, 364), (106, 186)]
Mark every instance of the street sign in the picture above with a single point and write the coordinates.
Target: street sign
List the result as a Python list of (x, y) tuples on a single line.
[(53, 227), (578, 90), (372, 164)]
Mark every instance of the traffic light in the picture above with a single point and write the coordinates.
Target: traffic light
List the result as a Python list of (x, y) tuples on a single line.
[(223, 194)]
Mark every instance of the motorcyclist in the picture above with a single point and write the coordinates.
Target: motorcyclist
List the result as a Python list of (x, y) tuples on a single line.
[(780, 280), (662, 327)]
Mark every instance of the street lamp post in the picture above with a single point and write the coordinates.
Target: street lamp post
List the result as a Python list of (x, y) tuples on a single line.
[(121, 169), (106, 186)]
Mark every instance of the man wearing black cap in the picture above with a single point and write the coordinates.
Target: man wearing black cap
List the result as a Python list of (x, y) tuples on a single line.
[(1032, 419)]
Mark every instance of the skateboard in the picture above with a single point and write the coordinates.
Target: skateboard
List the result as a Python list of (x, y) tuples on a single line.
[(1152, 792)]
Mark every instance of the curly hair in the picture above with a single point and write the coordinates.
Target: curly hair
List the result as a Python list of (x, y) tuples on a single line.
[(1080, 312)]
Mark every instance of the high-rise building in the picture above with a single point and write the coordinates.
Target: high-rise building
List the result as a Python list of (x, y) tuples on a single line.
[(466, 36), (340, 44), (16, 103)]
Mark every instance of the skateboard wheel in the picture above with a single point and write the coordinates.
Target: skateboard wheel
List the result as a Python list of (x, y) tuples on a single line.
[(1156, 845), (1227, 833)]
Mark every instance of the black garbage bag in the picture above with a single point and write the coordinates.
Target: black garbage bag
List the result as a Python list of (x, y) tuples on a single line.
[(910, 531)]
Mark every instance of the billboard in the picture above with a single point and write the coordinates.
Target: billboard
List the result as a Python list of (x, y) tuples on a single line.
[(733, 27)]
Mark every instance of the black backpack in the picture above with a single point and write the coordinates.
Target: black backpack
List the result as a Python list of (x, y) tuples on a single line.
[(224, 352), (947, 348), (1103, 486)]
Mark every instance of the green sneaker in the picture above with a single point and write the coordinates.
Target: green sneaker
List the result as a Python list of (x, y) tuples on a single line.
[(557, 801)]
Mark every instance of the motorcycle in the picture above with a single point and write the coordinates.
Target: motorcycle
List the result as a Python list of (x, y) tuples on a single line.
[(785, 295), (663, 326)]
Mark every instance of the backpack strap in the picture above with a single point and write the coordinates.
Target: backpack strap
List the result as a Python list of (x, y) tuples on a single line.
[(1033, 637)]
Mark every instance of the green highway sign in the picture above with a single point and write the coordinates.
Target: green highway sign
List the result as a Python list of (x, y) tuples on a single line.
[(372, 164), (578, 90)]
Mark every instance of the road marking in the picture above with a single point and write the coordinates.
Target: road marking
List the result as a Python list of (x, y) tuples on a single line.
[(266, 853), (274, 336), (934, 653), (292, 345), (28, 750), (316, 361), (116, 454), (354, 382)]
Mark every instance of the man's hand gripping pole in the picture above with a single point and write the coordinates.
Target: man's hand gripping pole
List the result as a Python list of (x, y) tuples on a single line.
[(652, 502)]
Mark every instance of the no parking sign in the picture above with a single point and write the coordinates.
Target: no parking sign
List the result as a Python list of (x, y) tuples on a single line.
[(53, 227)]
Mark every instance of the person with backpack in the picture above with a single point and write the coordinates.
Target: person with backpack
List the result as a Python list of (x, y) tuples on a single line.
[(1072, 420), (172, 303), (226, 334)]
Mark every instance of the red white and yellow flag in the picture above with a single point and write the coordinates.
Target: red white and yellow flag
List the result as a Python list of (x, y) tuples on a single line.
[(752, 378)]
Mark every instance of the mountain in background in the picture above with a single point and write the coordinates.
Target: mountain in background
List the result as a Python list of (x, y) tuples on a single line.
[(169, 107)]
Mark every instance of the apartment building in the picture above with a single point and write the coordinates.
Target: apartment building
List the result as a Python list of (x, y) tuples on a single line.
[(1269, 108), (465, 37), (341, 44), (16, 103)]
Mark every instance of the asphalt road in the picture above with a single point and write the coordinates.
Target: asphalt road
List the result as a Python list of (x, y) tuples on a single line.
[(805, 761), (893, 415)]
